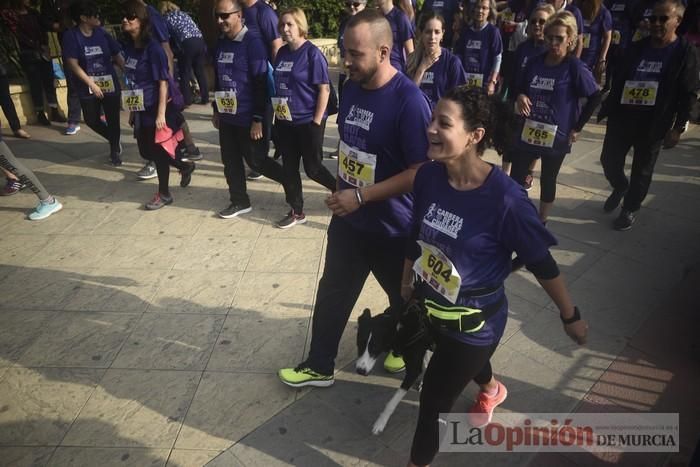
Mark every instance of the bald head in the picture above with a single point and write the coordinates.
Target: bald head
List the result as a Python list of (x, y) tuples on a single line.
[(377, 25)]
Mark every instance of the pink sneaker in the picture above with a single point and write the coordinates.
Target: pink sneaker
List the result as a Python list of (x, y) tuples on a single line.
[(481, 412)]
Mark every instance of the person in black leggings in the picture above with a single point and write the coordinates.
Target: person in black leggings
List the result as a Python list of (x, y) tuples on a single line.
[(8, 107), (469, 217), (90, 53), (150, 99)]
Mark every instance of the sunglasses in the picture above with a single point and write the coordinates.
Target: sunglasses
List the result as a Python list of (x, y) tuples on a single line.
[(353, 4), (223, 16), (130, 16), (552, 38), (653, 19), (539, 21)]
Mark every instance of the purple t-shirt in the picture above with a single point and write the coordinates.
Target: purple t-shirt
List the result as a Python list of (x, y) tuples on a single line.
[(445, 74), (261, 20), (144, 69), (159, 28), (478, 50), (237, 63), (621, 13), (401, 30), (593, 36), (391, 124), (477, 230), (554, 92), (297, 76), (573, 9), (526, 51), (94, 55)]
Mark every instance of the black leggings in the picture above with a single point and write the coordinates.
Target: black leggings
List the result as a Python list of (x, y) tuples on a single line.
[(548, 176), (303, 142), (110, 104), (451, 368), (39, 74), (193, 56), (145, 137), (6, 102)]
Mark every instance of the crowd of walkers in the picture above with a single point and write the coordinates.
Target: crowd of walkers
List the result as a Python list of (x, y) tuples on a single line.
[(416, 110)]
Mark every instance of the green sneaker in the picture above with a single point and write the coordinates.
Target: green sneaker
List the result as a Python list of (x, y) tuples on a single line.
[(303, 376), (394, 363)]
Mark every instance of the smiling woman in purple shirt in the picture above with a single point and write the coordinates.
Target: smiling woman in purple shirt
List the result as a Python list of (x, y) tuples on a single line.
[(468, 218), (549, 91), (302, 90)]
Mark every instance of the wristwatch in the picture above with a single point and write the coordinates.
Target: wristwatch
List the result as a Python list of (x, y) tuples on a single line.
[(573, 319)]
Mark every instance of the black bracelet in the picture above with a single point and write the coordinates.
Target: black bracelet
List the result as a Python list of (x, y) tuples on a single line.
[(573, 319)]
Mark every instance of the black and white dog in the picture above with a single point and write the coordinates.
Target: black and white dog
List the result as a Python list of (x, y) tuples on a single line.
[(405, 332)]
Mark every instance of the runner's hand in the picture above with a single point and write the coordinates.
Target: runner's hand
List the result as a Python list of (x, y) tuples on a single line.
[(256, 131), (577, 331), (160, 122), (343, 202), (522, 105), (96, 91), (573, 136)]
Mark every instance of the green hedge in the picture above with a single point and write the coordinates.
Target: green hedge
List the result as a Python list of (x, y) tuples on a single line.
[(323, 15)]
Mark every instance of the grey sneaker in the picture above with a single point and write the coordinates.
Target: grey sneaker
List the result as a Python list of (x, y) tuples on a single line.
[(147, 171), (291, 219), (234, 210), (158, 202)]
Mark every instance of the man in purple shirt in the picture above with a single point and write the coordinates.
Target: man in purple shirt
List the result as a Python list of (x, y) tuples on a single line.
[(381, 147), (261, 20)]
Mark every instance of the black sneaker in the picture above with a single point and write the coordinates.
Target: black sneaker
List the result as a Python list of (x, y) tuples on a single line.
[(253, 175), (42, 119), (186, 174), (234, 210), (115, 160), (290, 220), (613, 200), (624, 221)]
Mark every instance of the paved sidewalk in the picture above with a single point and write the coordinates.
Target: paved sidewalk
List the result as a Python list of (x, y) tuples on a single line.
[(142, 338)]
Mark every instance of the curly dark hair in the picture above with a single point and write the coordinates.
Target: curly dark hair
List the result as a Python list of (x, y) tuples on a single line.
[(479, 110)]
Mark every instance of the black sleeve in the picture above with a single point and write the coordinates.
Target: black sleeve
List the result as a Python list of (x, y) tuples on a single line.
[(687, 87), (545, 269), (259, 95), (588, 109)]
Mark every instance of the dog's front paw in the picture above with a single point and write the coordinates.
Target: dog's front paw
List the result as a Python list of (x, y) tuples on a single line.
[(379, 425)]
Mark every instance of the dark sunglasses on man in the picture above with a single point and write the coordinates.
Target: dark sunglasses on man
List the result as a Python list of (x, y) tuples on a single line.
[(653, 19), (224, 15)]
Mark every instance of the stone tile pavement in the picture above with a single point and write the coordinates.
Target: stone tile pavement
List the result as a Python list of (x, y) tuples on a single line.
[(152, 338)]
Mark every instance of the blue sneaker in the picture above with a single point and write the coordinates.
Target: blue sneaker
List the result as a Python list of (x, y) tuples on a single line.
[(72, 129), (45, 209)]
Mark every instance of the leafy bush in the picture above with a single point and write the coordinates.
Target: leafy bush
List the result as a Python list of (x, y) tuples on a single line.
[(323, 15)]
